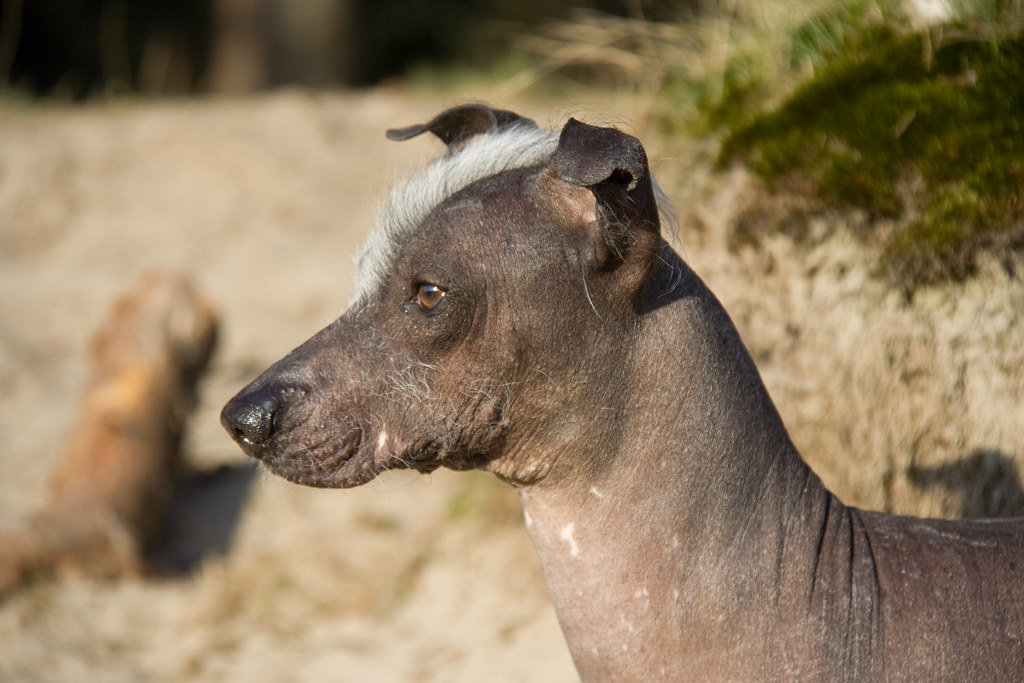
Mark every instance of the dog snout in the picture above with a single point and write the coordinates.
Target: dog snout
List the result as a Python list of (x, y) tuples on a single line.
[(251, 416)]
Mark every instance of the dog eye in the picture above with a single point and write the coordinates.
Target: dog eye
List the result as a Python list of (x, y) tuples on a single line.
[(428, 295)]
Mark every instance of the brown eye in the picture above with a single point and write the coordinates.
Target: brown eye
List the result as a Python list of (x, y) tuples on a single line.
[(429, 296)]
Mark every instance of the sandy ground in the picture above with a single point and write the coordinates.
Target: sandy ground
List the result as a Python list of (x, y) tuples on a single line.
[(914, 407)]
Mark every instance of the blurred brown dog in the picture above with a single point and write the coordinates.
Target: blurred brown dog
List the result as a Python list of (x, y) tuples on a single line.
[(112, 488)]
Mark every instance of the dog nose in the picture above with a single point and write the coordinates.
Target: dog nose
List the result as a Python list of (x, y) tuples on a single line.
[(249, 417)]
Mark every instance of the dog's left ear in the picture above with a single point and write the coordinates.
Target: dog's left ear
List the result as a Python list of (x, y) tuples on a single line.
[(456, 126), (613, 166)]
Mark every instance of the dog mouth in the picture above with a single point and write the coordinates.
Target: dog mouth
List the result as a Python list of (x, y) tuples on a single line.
[(343, 457), (321, 458)]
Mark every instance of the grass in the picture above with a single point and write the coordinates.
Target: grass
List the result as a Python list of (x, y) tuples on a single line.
[(926, 133)]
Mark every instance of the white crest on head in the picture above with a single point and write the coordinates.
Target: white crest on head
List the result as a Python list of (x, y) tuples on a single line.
[(409, 202)]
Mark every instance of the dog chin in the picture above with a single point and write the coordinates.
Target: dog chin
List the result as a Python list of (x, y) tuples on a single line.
[(349, 474), (347, 464)]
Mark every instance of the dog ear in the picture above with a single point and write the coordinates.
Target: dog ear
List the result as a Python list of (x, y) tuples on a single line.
[(612, 165), (456, 126)]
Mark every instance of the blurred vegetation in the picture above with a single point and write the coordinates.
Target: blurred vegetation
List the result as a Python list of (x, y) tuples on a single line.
[(923, 129), (907, 112), (72, 48), (82, 48)]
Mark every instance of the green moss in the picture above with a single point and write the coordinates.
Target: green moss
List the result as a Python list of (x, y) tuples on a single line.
[(931, 138)]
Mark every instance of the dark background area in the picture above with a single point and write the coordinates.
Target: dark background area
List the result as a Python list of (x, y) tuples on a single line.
[(81, 48)]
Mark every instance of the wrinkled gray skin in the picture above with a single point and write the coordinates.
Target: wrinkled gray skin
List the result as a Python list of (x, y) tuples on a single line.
[(576, 356)]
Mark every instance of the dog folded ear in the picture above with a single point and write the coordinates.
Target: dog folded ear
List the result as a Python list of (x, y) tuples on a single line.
[(456, 126), (612, 165)]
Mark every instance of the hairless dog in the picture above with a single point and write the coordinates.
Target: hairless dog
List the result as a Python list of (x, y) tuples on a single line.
[(519, 312)]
